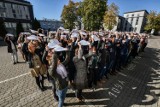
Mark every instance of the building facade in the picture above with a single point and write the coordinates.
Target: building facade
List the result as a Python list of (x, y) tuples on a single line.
[(14, 11), (135, 21), (50, 24), (119, 25)]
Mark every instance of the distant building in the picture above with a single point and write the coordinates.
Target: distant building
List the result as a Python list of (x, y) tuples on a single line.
[(135, 21), (13, 11), (51, 24), (119, 25), (132, 21)]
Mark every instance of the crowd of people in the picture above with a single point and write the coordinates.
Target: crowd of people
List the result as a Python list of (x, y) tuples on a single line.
[(78, 59)]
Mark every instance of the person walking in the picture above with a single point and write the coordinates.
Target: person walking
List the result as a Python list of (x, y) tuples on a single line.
[(12, 49)]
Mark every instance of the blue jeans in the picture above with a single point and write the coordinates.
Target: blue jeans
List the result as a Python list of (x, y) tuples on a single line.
[(53, 88), (61, 96)]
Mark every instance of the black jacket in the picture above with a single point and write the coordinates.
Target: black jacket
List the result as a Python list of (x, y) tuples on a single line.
[(9, 44)]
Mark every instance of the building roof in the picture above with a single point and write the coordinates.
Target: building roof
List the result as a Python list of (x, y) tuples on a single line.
[(137, 11), (25, 2)]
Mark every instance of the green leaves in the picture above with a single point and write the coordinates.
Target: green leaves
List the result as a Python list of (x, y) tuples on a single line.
[(153, 21), (92, 13), (110, 16), (69, 15)]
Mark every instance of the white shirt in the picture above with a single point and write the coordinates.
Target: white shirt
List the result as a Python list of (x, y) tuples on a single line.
[(61, 70)]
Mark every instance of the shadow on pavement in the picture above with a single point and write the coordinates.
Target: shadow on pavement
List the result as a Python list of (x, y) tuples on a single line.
[(137, 84)]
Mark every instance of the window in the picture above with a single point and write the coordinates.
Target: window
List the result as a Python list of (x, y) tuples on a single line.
[(14, 15), (135, 29), (13, 11), (1, 4), (27, 17), (131, 21), (137, 20), (14, 25), (127, 15), (13, 6), (6, 24), (9, 25), (132, 15), (4, 14)]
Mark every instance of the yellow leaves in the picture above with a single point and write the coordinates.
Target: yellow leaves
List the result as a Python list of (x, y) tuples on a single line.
[(153, 21), (109, 19)]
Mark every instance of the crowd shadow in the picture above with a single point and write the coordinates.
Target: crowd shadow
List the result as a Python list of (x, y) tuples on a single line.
[(138, 88)]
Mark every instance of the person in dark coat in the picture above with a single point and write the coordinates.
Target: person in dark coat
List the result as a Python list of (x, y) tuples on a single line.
[(11, 42), (38, 69), (25, 49), (80, 79)]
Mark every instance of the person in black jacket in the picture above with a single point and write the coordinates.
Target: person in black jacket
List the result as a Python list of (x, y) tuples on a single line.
[(25, 49), (10, 40)]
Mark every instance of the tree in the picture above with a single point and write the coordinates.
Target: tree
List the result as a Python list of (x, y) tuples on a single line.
[(19, 28), (3, 31), (153, 21), (68, 15), (35, 24), (92, 12), (110, 16)]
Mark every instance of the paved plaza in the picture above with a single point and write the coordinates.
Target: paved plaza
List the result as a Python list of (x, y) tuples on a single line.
[(138, 85)]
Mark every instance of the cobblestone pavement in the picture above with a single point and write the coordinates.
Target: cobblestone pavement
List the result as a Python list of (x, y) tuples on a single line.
[(138, 85)]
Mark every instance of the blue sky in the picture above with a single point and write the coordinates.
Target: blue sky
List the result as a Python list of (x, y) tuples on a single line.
[(52, 9)]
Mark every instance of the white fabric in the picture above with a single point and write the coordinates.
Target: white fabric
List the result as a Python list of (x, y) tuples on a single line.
[(33, 31), (26, 33), (74, 35), (61, 70), (101, 33), (9, 35), (95, 38), (32, 37), (66, 31), (83, 33), (40, 34), (52, 31), (61, 28), (63, 36), (83, 42), (55, 41), (59, 48), (51, 45)]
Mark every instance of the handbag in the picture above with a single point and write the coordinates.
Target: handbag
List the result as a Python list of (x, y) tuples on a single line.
[(34, 73), (43, 69)]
